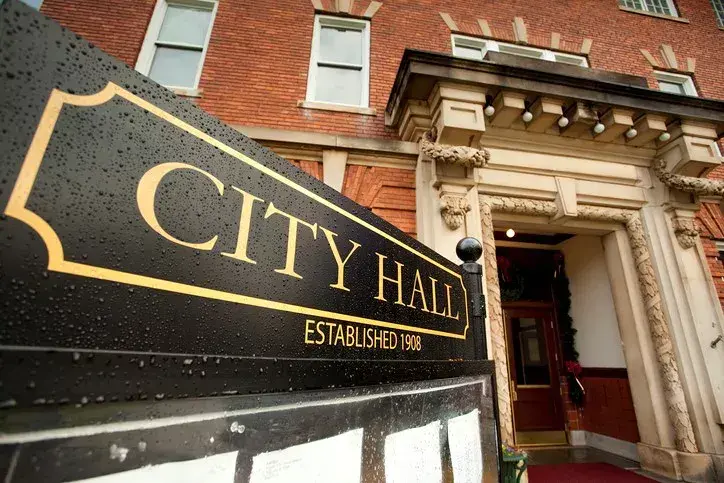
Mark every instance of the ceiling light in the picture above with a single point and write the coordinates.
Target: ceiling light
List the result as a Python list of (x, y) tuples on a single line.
[(527, 116), (510, 233), (563, 121), (664, 137), (489, 110), (631, 133), (599, 128)]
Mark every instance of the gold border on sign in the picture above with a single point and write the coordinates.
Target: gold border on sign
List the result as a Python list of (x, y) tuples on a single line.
[(56, 260)]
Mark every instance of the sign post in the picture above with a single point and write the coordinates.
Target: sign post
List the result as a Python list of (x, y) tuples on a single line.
[(178, 300)]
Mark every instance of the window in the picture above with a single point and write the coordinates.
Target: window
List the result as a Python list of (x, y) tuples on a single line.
[(340, 62), (474, 48), (719, 11), (663, 7), (676, 83), (176, 41)]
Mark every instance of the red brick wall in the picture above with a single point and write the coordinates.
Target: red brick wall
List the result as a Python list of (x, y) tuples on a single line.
[(256, 66), (388, 192), (711, 228), (258, 57), (312, 168), (608, 409)]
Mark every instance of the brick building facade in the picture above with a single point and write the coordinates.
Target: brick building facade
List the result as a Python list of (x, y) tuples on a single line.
[(254, 74)]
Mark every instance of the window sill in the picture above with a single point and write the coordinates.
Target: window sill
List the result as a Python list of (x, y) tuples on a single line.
[(652, 14), (179, 91), (324, 106)]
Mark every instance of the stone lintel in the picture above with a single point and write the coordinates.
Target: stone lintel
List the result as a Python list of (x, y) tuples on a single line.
[(546, 112), (617, 122), (649, 127), (581, 119), (508, 107)]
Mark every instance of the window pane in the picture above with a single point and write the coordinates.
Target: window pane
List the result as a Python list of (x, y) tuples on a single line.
[(530, 351), (175, 67), (671, 87), (340, 45), (184, 24), (637, 4), (659, 6), (340, 86), (469, 52)]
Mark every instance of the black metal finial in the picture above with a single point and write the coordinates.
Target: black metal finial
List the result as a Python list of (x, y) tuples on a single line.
[(469, 249)]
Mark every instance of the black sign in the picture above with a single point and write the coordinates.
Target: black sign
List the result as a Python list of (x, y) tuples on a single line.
[(139, 230)]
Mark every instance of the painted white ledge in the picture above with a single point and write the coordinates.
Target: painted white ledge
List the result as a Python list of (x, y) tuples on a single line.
[(326, 106)]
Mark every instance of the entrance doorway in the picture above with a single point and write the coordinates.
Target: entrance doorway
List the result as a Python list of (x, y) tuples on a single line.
[(534, 374)]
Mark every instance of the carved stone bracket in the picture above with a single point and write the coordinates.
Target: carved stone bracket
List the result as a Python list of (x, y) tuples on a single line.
[(685, 228), (658, 326), (458, 155), (688, 184), (453, 209), (685, 231)]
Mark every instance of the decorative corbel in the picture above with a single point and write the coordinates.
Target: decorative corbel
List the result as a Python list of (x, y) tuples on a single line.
[(453, 210), (685, 227), (458, 155), (685, 231), (688, 184)]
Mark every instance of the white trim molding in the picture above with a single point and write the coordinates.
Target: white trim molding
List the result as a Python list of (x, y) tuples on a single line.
[(685, 81), (463, 46), (315, 60), (151, 41)]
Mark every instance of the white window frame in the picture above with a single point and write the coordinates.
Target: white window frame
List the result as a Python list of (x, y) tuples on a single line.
[(684, 80), (645, 8), (148, 49), (718, 7), (486, 45), (348, 23)]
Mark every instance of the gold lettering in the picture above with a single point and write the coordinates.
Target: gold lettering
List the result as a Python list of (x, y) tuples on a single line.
[(242, 239), (307, 331), (331, 326), (383, 278), (321, 334), (417, 288), (337, 257), (340, 334), (378, 338), (357, 338), (146, 199), (350, 336), (368, 337), (393, 340), (291, 239), (449, 305), (434, 298)]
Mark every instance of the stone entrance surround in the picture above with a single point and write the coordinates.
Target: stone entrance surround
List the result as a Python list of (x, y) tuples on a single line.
[(639, 194)]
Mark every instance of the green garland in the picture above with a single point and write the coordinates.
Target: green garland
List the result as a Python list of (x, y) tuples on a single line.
[(562, 296)]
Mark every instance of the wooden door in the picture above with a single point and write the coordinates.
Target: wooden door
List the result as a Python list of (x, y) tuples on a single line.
[(534, 376)]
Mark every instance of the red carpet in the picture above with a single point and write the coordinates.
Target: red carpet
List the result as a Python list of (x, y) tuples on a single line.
[(583, 472)]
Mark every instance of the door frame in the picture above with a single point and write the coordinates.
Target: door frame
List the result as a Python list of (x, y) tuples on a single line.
[(556, 365)]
